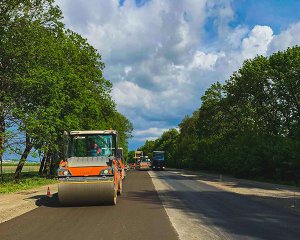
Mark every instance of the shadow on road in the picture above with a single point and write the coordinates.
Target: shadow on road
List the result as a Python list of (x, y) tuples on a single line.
[(43, 200), (53, 202), (235, 214), (234, 182)]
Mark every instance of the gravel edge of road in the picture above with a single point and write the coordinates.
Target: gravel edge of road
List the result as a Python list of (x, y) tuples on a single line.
[(15, 204), (275, 194)]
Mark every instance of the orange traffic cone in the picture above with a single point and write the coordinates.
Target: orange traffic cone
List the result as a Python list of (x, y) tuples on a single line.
[(48, 192)]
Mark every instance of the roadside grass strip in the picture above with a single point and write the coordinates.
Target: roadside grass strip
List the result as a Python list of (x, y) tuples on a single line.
[(29, 180)]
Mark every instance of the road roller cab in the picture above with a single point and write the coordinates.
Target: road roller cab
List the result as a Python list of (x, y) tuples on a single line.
[(89, 173)]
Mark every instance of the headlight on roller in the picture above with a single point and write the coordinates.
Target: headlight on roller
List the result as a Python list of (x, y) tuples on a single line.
[(107, 171), (63, 173)]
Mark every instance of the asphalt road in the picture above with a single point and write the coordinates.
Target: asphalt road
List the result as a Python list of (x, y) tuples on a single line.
[(195, 209), (211, 213), (138, 214)]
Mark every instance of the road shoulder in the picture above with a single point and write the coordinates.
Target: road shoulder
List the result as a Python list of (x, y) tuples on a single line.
[(283, 196), (18, 203), (188, 226)]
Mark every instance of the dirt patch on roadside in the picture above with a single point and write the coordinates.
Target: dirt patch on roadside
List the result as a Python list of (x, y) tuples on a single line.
[(16, 204)]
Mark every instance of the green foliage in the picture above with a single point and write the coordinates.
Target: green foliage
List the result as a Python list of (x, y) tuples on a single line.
[(51, 79), (29, 180), (130, 158), (248, 127), (165, 143)]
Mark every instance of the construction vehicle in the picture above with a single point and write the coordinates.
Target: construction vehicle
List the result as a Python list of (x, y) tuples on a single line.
[(89, 172), (126, 167), (158, 161), (131, 165), (145, 163), (120, 161), (137, 157)]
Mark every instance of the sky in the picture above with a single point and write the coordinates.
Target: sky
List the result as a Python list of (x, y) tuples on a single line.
[(161, 55)]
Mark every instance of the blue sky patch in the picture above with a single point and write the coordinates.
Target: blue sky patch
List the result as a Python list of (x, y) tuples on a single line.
[(277, 14), (139, 3)]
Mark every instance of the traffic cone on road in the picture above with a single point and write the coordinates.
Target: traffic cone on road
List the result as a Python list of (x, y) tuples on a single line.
[(48, 192)]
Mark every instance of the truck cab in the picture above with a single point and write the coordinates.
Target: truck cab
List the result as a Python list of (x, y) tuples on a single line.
[(158, 161)]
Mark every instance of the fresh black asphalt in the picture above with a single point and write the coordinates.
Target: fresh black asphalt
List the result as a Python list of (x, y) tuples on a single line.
[(135, 216)]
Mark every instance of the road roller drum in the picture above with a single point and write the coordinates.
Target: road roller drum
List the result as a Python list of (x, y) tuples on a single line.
[(87, 192)]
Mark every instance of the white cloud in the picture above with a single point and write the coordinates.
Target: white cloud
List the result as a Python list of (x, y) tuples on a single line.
[(204, 61), (234, 38), (142, 140), (128, 94), (151, 132), (288, 38), (127, 69), (158, 58), (258, 41), (222, 13)]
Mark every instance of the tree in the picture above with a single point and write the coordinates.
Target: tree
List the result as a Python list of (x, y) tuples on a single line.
[(14, 17), (148, 148), (51, 81), (164, 143), (131, 156), (248, 127)]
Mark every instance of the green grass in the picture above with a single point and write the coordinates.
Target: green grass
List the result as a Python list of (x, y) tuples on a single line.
[(28, 181), (26, 168), (15, 163), (10, 167)]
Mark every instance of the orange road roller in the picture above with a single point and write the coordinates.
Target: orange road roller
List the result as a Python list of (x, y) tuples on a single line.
[(145, 163), (89, 173)]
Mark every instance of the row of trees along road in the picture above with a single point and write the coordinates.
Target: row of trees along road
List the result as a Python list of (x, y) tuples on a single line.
[(51, 80), (248, 127)]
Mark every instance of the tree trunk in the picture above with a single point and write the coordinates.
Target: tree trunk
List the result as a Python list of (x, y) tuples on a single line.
[(51, 167), (42, 164), (2, 140), (28, 147), (53, 164), (47, 163)]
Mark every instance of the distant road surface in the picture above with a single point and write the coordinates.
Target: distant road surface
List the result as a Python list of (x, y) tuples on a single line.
[(174, 207), (200, 211)]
